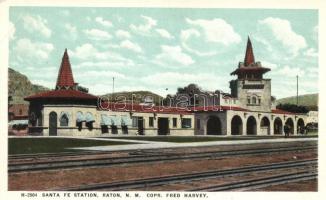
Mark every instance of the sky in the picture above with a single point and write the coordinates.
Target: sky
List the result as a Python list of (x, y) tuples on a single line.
[(161, 49)]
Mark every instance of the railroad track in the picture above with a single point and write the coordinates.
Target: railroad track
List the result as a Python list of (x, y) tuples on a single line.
[(306, 165), (82, 153), (63, 164), (262, 182)]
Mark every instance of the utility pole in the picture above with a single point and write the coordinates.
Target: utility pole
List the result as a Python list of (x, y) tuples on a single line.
[(113, 89), (297, 90)]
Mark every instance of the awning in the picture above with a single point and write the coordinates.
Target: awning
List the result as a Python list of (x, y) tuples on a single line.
[(80, 117), (115, 120), (18, 122), (90, 117), (126, 120), (105, 120)]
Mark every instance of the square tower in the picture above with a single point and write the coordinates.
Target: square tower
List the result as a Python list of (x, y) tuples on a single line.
[(251, 89)]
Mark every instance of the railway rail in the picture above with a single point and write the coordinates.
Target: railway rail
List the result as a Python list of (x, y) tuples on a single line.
[(307, 171), (262, 182), (132, 159)]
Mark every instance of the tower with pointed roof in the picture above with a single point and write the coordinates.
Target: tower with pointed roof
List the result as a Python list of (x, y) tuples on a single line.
[(65, 78), (251, 89)]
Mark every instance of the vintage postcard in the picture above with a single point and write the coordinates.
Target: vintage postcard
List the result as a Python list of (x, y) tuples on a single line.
[(162, 101)]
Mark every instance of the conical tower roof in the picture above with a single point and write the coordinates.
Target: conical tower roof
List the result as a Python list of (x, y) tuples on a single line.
[(249, 58), (65, 77)]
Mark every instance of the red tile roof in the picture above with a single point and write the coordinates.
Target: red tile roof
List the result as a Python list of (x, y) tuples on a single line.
[(250, 69), (161, 109), (249, 58), (65, 77), (278, 111), (61, 94), (217, 108)]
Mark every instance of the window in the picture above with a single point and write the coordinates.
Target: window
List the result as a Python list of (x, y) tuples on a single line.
[(259, 101), (186, 123), (20, 111), (174, 120), (64, 120), (248, 100), (151, 121), (254, 100), (134, 121), (198, 124)]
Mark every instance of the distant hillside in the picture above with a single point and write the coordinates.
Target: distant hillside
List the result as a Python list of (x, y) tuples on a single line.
[(138, 96), (308, 100), (19, 86)]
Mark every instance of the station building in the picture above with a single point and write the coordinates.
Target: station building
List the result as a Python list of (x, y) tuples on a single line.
[(69, 110)]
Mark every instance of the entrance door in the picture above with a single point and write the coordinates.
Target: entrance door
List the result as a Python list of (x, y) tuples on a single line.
[(53, 124), (163, 126), (140, 125)]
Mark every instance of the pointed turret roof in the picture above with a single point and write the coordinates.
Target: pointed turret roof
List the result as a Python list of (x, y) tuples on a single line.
[(249, 58), (65, 77)]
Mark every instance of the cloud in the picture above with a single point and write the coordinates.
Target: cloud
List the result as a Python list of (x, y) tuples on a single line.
[(12, 30), (186, 35), (311, 52), (290, 71), (144, 29), (36, 24), (92, 57), (164, 33), (105, 64), (96, 34), (103, 22), (122, 34), (25, 48), (216, 30), (127, 44), (72, 31), (283, 32), (173, 55), (267, 64), (172, 80)]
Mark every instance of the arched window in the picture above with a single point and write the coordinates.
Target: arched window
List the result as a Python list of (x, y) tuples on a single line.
[(254, 100), (64, 120)]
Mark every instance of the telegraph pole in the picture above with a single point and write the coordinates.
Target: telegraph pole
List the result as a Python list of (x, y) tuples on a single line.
[(297, 90), (113, 89)]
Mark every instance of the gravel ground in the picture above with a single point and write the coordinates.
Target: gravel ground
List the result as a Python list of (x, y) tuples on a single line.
[(50, 180)]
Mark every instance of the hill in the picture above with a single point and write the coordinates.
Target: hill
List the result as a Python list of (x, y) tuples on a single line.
[(308, 100), (138, 96), (19, 86)]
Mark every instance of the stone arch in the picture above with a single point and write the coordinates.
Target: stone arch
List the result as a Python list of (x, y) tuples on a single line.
[(251, 126), (265, 126), (278, 126), (300, 126), (289, 122), (214, 126), (236, 125)]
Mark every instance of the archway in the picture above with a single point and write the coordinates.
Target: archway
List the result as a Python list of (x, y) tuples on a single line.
[(300, 126), (278, 126), (265, 126), (236, 125), (251, 126), (53, 124), (290, 123), (214, 126)]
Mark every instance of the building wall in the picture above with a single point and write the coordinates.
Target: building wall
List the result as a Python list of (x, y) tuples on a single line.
[(243, 93), (72, 129), (227, 116)]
